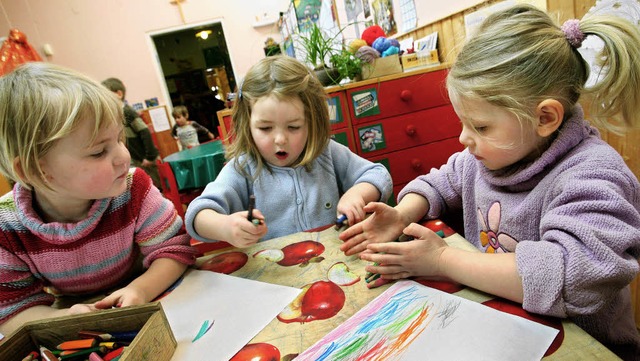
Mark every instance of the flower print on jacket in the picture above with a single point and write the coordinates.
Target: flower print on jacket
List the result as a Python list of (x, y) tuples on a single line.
[(491, 237)]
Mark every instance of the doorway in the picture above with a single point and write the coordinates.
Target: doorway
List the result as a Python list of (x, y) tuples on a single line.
[(196, 67)]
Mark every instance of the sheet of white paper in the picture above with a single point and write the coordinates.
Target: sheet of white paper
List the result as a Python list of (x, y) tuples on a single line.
[(239, 307), (159, 119), (412, 322)]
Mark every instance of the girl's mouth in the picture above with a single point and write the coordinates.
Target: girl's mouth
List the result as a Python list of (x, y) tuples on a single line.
[(281, 155)]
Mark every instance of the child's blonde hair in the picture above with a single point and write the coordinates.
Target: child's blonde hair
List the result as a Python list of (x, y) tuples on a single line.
[(180, 110), (520, 56), (286, 78), (41, 103)]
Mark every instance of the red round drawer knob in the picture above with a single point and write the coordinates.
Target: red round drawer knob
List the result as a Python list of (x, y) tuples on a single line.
[(410, 130), (406, 95), (416, 163)]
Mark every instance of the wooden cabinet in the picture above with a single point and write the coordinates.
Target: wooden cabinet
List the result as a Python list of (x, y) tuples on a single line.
[(405, 122)]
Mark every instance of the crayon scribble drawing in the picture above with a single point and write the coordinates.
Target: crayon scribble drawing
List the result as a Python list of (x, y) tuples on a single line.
[(409, 321), (385, 327)]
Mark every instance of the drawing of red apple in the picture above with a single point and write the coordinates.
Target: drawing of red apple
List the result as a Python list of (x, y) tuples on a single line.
[(257, 352), (317, 301), (340, 274), (438, 225), (226, 263), (302, 253)]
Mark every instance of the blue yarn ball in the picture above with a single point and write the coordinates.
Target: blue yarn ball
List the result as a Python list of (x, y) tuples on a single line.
[(381, 44), (390, 51), (395, 42)]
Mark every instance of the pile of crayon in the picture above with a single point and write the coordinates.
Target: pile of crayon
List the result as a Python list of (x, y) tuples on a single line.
[(90, 345)]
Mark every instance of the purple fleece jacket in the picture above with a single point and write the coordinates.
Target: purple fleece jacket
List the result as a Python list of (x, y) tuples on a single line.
[(571, 216)]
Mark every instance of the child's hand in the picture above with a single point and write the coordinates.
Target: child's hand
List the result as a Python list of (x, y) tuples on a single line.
[(351, 205), (82, 308), (127, 296), (419, 257), (243, 233), (384, 225)]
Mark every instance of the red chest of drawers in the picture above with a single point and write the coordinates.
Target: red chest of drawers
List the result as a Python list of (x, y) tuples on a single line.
[(405, 122)]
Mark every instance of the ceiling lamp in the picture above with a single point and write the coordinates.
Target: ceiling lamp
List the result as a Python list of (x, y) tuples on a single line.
[(204, 34)]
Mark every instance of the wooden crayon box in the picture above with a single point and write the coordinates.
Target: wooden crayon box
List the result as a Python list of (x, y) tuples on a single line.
[(155, 340)]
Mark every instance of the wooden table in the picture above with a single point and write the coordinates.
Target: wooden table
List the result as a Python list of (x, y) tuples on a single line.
[(290, 339)]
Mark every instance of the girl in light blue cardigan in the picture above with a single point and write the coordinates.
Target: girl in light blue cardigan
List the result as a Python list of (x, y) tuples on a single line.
[(282, 154)]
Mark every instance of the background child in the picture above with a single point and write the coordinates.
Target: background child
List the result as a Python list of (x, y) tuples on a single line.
[(282, 154), (79, 220), (553, 208), (139, 142), (187, 131)]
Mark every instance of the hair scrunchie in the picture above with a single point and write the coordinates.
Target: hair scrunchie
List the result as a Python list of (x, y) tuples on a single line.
[(572, 32)]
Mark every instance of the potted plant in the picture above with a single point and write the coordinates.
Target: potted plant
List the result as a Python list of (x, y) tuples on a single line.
[(348, 65), (325, 54)]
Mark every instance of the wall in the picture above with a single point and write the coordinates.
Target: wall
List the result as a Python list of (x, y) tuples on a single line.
[(110, 38)]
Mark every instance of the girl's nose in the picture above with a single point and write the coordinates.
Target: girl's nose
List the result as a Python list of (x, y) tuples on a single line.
[(465, 137), (122, 156), (280, 138)]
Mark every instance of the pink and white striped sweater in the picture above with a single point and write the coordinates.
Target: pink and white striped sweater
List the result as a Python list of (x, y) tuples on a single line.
[(90, 256)]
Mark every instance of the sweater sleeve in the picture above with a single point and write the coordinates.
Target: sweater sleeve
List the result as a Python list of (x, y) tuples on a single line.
[(442, 187), (159, 231), (143, 132), (227, 194), (19, 288), (352, 169), (589, 243)]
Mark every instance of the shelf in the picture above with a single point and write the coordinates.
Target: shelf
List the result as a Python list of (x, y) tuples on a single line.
[(262, 23)]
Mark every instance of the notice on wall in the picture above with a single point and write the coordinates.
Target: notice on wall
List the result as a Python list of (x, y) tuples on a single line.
[(159, 119)]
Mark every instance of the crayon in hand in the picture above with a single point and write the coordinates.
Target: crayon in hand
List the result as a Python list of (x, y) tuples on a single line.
[(252, 205), (341, 221)]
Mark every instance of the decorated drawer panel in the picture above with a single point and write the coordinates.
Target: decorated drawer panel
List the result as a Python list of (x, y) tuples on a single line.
[(338, 111), (396, 97), (344, 137), (406, 131), (405, 165)]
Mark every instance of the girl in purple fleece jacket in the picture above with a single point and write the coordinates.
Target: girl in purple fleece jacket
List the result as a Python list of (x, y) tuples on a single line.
[(553, 208)]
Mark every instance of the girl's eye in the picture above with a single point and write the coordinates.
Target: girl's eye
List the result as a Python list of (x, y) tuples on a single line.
[(294, 127), (264, 129), (481, 129), (98, 154)]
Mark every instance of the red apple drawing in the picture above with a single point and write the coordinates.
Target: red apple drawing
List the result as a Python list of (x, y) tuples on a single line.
[(226, 263), (438, 225), (341, 275), (317, 301), (257, 352), (301, 253)]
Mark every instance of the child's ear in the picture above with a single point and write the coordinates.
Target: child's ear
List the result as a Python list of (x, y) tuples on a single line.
[(550, 113)]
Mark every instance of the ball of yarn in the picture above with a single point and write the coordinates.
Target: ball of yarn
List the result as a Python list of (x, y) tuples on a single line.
[(381, 44), (390, 51), (356, 44), (395, 42), (371, 33), (367, 54)]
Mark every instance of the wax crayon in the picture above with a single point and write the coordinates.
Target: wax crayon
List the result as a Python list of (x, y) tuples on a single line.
[(75, 354), (95, 357), (47, 355), (31, 356), (109, 336), (78, 344), (113, 354), (252, 205), (341, 222)]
